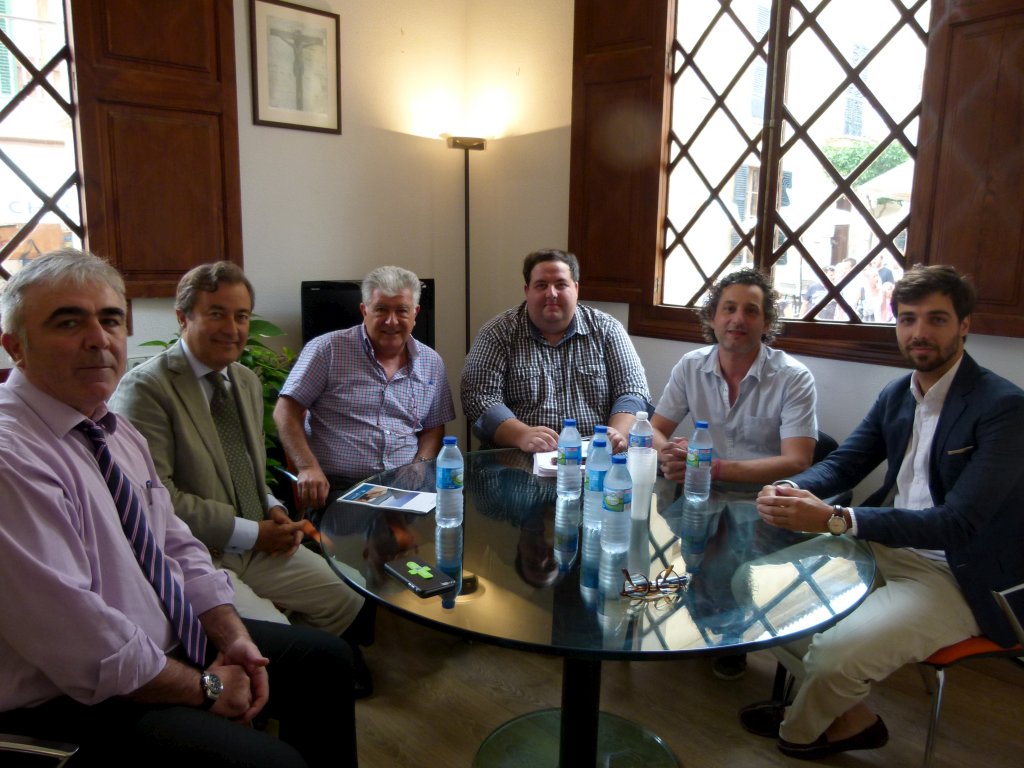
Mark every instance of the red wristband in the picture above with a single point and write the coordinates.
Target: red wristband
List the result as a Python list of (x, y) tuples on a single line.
[(716, 467)]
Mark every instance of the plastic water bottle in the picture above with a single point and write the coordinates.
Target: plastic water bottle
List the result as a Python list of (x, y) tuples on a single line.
[(641, 434), (697, 486), (617, 503), (694, 532), (590, 559), (448, 548), (642, 461), (570, 456), (448, 482), (567, 533), (599, 461)]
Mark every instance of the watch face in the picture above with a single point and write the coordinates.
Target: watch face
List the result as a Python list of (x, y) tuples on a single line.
[(212, 686), (837, 524)]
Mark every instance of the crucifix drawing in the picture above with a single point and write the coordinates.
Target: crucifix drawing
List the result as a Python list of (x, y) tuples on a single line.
[(299, 43)]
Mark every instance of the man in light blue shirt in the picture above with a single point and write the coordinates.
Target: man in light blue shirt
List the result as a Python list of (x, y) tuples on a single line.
[(759, 402)]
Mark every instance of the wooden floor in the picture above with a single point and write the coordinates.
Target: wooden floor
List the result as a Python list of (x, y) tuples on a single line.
[(437, 697)]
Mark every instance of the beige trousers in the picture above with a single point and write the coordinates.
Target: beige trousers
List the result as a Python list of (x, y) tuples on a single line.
[(916, 611), (302, 586)]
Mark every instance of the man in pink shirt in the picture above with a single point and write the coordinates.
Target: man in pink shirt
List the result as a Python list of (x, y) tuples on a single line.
[(90, 653)]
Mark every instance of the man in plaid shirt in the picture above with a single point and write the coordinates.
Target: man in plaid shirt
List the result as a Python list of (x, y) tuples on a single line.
[(549, 359)]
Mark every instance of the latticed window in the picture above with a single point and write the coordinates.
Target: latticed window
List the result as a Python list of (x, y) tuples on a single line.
[(792, 144), (39, 195)]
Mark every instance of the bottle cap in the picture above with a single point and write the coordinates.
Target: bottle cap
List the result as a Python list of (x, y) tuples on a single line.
[(569, 423), (599, 441), (641, 415), (600, 429), (619, 458), (450, 440), (702, 425)]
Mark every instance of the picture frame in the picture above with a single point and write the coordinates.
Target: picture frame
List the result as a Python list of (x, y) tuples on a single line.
[(296, 66)]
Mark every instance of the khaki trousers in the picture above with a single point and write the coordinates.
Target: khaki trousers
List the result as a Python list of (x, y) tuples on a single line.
[(916, 611), (301, 589)]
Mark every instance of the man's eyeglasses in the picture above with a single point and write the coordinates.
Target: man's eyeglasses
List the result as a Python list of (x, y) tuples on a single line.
[(666, 583)]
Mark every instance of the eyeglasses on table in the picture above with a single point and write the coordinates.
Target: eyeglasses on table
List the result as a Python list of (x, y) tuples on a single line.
[(666, 584)]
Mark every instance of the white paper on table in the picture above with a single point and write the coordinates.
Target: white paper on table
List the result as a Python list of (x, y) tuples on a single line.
[(546, 464)]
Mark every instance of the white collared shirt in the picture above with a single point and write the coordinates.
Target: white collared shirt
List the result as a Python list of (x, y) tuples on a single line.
[(912, 481)]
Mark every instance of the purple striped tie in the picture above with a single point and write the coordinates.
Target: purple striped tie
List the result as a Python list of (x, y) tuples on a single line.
[(149, 555)]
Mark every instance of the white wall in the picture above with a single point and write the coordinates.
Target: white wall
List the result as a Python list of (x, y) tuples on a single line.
[(318, 206)]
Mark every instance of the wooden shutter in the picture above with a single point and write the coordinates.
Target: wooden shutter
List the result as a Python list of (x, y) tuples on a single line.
[(619, 116), (968, 199), (158, 127)]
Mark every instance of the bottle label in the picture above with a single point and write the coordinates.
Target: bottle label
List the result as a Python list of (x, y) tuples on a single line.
[(699, 458), (448, 478), (641, 441), (617, 499), (569, 454), (595, 479)]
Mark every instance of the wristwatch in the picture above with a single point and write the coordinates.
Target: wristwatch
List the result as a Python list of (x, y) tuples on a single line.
[(212, 688), (837, 524)]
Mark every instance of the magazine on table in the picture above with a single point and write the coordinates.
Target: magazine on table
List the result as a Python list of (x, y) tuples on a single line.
[(381, 496)]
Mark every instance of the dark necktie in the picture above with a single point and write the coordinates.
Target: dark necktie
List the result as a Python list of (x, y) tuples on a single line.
[(147, 551), (232, 439)]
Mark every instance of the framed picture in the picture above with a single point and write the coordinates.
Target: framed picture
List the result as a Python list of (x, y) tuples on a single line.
[(296, 69)]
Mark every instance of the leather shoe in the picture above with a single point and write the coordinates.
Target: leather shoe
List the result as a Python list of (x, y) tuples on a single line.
[(362, 680), (763, 718), (874, 736)]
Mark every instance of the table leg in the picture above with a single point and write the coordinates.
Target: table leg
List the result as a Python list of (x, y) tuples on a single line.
[(581, 701)]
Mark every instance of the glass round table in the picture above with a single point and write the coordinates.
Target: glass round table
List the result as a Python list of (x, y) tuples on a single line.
[(530, 576)]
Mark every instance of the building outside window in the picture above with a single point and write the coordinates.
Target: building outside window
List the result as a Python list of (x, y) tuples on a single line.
[(791, 148), (39, 181)]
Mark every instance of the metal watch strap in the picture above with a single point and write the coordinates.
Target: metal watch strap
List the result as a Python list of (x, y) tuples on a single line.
[(208, 699)]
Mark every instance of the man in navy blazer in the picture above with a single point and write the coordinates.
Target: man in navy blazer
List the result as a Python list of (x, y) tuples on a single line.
[(946, 526)]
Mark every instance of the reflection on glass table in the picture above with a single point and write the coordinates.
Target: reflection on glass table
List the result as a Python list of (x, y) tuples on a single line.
[(530, 578)]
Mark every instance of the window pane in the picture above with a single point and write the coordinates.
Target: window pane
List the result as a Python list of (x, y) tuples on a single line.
[(851, 90), (36, 135), (717, 118)]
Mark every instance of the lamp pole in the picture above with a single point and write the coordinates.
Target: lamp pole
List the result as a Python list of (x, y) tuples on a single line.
[(467, 144)]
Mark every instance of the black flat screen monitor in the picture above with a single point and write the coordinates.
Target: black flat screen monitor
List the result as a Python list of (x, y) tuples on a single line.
[(330, 305)]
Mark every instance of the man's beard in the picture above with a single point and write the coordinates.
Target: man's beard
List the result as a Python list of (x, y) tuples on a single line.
[(943, 356)]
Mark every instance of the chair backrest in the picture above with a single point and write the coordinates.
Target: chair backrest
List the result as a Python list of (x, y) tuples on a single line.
[(1009, 600), (826, 444)]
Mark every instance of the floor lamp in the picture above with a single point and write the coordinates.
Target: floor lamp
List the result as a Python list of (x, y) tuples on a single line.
[(467, 144)]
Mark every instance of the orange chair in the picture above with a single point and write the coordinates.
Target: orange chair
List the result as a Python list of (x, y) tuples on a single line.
[(971, 648)]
